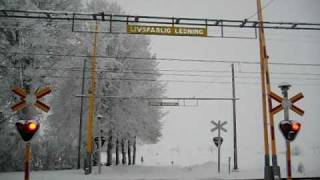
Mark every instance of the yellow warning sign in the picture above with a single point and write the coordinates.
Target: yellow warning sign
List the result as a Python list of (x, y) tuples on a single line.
[(167, 30)]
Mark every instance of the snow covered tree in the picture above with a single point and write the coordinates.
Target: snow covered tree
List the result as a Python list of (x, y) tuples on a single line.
[(22, 40), (127, 118), (15, 70)]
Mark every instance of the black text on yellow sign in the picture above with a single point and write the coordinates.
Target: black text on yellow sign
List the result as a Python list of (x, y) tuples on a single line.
[(166, 30)]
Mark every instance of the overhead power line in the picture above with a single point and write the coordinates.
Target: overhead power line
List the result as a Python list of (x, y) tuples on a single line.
[(162, 98), (176, 72), (186, 74), (166, 80), (168, 59), (264, 7)]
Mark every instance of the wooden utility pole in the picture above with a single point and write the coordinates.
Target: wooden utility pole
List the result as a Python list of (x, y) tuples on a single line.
[(92, 94), (274, 171), (263, 57)]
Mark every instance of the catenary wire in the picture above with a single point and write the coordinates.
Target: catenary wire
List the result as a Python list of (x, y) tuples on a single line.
[(181, 72), (169, 59), (263, 8)]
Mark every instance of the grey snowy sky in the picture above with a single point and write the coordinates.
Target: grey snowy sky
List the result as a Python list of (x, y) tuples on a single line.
[(186, 130)]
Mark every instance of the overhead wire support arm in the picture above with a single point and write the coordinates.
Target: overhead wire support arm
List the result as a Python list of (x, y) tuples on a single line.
[(163, 98), (160, 20)]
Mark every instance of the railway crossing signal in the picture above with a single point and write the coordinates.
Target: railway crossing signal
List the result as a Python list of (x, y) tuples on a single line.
[(27, 129), (286, 103), (289, 129), (219, 126), (103, 140), (28, 98), (218, 140)]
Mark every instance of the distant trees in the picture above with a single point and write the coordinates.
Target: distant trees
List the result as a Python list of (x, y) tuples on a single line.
[(126, 120)]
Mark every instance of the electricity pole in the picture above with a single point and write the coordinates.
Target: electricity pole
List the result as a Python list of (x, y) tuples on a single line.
[(99, 117), (81, 111), (270, 172), (235, 158), (92, 95)]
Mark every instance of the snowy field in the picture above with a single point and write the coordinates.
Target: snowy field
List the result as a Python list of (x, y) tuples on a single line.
[(204, 172)]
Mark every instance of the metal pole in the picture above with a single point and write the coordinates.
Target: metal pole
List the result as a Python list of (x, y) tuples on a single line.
[(286, 105), (27, 158), (235, 158), (81, 111), (229, 162), (288, 160), (21, 65), (219, 146), (286, 102), (99, 146)]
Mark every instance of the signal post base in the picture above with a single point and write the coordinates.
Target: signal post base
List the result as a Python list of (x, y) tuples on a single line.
[(88, 164), (268, 173), (272, 173), (235, 170), (276, 172)]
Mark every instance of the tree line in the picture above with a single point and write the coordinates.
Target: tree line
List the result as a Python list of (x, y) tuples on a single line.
[(31, 54)]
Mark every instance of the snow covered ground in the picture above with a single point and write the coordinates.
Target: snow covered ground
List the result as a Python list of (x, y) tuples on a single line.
[(204, 172), (208, 171)]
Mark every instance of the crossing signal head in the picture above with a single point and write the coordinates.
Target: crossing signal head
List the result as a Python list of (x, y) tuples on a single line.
[(289, 129), (27, 129), (218, 141), (103, 140)]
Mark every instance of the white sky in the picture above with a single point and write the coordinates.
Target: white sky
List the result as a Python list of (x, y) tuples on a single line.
[(186, 130)]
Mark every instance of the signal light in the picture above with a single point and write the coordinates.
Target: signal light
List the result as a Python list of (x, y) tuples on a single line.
[(289, 129), (296, 126), (27, 129), (218, 141), (32, 126), (103, 140)]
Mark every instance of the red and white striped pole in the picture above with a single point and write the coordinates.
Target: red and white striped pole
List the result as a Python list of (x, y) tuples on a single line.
[(288, 160), (27, 158)]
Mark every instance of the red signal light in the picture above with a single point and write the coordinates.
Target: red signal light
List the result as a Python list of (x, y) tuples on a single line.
[(295, 126), (32, 126), (27, 129)]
